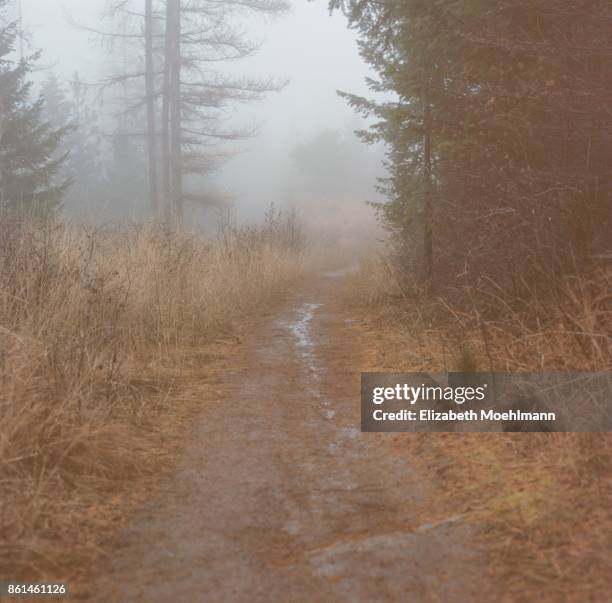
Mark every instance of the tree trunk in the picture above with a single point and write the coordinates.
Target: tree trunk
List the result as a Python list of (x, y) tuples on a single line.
[(173, 62), (165, 122), (151, 117)]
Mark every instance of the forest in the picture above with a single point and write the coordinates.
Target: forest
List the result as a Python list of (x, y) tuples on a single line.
[(189, 301), (497, 130)]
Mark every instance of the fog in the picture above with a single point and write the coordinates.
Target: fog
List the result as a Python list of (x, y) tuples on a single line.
[(314, 52)]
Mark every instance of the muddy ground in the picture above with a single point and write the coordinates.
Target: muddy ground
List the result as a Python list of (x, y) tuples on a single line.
[(278, 496)]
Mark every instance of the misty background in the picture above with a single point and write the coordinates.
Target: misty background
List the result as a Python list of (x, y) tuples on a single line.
[(304, 153)]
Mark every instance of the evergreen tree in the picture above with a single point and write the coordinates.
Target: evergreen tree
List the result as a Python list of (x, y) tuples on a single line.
[(497, 126), (29, 166), (82, 145), (402, 40)]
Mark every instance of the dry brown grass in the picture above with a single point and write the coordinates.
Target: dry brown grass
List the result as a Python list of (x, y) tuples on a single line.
[(96, 331), (568, 328), (542, 501)]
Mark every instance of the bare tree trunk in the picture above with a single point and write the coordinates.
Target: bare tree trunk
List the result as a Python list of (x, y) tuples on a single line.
[(151, 117), (165, 122), (2, 121), (173, 108), (427, 181)]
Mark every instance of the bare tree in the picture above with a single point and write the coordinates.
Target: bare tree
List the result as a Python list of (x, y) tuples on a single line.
[(200, 34), (151, 108), (172, 101), (134, 86), (187, 45)]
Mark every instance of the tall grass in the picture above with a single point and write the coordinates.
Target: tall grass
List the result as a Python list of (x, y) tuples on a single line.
[(88, 320), (542, 501), (565, 327)]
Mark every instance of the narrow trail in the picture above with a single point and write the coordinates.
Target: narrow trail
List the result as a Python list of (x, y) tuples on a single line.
[(279, 497)]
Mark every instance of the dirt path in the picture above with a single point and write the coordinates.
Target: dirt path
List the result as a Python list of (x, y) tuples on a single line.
[(279, 497)]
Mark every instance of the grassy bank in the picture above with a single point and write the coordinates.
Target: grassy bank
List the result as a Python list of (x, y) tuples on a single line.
[(100, 335), (541, 501)]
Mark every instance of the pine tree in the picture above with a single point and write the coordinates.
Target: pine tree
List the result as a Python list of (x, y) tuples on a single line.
[(68, 107), (28, 165), (497, 127), (402, 41)]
